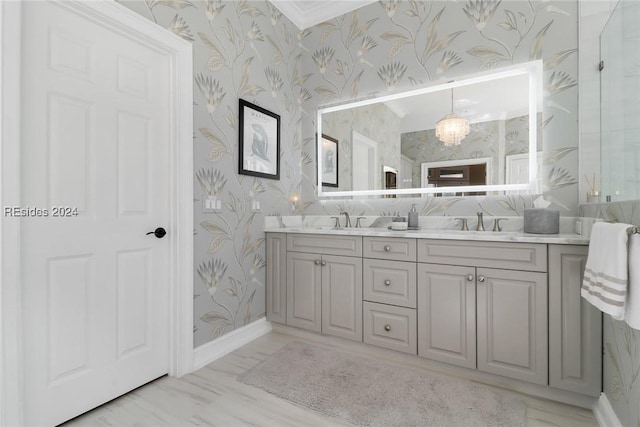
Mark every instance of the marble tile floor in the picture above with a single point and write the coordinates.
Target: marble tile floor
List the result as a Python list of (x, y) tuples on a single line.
[(212, 396)]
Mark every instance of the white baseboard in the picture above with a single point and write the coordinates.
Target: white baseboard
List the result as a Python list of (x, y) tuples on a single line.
[(211, 351), (604, 413)]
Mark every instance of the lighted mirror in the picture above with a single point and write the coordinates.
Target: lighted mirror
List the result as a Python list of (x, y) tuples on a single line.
[(408, 143)]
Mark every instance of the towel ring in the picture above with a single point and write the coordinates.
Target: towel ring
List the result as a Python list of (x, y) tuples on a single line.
[(633, 230)]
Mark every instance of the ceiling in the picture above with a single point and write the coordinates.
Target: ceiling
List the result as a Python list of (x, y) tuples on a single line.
[(480, 102), (307, 13)]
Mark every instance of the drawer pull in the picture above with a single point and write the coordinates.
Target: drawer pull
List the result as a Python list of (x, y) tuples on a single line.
[(387, 248), (316, 262), (480, 278), (387, 328), (470, 277), (323, 263), (387, 282)]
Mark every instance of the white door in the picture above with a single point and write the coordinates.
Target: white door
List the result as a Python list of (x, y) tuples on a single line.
[(95, 139), (364, 165), (517, 170), (406, 172)]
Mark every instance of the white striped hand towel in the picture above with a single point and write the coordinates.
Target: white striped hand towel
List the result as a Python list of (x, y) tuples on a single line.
[(606, 273), (632, 308)]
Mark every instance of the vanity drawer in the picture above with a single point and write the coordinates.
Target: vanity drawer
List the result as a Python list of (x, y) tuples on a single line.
[(390, 282), (507, 255), (391, 327), (324, 244), (398, 249)]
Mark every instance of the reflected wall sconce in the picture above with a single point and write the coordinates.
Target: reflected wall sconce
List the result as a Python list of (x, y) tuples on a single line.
[(293, 203)]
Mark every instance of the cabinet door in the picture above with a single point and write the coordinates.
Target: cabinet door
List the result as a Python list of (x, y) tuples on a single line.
[(342, 297), (512, 324), (276, 252), (304, 291), (575, 326), (447, 314)]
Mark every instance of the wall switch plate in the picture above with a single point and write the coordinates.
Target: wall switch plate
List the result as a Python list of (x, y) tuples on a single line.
[(211, 204), (255, 205)]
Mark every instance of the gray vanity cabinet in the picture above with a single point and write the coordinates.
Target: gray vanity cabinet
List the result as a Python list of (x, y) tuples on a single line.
[(342, 296), (304, 291), (276, 270), (512, 324), (575, 341), (507, 308), (390, 293), (324, 287), (493, 319), (447, 314)]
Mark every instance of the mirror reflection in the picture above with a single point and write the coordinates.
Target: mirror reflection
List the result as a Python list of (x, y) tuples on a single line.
[(471, 133)]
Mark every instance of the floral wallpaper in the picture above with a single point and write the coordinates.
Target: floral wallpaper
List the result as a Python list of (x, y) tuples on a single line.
[(249, 50), (621, 361), (396, 45)]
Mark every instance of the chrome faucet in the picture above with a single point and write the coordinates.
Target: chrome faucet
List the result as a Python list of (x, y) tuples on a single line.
[(496, 224), (464, 226), (347, 219), (480, 226)]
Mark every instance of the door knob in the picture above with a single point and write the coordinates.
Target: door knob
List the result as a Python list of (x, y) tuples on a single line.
[(158, 232), (480, 278), (470, 277)]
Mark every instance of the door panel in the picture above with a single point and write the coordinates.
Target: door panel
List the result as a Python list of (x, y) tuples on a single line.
[(133, 290), (342, 297), (512, 324), (447, 314), (304, 289), (575, 326), (133, 167), (95, 287), (276, 254), (69, 286)]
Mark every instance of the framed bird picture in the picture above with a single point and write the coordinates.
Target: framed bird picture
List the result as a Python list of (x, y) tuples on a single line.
[(259, 141), (329, 161)]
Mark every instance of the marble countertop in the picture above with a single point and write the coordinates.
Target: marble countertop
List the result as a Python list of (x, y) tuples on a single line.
[(491, 236)]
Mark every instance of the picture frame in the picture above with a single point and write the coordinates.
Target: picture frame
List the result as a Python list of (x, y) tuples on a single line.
[(259, 141), (329, 161)]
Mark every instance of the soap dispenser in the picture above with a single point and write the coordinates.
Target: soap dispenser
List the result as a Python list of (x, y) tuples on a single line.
[(413, 217)]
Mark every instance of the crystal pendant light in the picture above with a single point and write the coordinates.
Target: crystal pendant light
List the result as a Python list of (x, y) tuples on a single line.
[(452, 128)]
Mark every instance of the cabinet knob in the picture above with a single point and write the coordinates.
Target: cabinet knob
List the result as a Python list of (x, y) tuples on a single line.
[(480, 278), (387, 328), (316, 262), (387, 282), (387, 248), (470, 277), (323, 263)]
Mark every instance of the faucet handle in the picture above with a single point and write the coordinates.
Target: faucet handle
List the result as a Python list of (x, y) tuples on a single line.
[(358, 221), (496, 224), (480, 226), (336, 223), (464, 224)]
